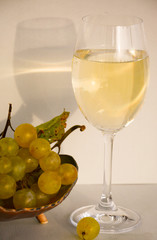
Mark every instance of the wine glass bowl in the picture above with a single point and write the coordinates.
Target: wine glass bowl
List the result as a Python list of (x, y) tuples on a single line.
[(110, 77)]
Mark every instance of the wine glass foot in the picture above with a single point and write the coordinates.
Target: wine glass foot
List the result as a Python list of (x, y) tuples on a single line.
[(117, 221)]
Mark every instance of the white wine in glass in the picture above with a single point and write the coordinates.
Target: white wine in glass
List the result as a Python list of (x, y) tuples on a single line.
[(110, 77)]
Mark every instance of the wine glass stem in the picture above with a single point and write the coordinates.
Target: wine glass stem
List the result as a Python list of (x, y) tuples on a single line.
[(106, 201)]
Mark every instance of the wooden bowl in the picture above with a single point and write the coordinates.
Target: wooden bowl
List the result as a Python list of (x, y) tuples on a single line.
[(12, 214)]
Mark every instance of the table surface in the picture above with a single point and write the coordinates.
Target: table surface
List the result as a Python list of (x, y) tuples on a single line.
[(141, 198)]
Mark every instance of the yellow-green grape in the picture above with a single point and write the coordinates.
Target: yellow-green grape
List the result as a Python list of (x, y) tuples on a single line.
[(18, 168), (24, 198), (49, 182), (42, 199), (39, 148), (68, 173), (8, 147), (7, 186), (51, 162), (5, 165), (31, 162), (24, 134), (88, 228)]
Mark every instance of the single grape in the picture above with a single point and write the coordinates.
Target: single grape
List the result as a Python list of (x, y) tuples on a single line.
[(5, 165), (68, 173), (42, 199), (8, 147), (24, 198), (88, 228), (24, 134), (18, 168), (39, 148), (49, 182), (7, 186), (31, 162), (51, 162)]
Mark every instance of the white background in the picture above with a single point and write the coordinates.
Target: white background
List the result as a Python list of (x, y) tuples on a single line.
[(37, 98)]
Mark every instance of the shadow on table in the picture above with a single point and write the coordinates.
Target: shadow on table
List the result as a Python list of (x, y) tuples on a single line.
[(126, 236)]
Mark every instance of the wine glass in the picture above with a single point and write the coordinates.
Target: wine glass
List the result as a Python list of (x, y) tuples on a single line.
[(109, 77)]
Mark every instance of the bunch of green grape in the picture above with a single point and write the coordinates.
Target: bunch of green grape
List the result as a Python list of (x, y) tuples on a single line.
[(22, 156)]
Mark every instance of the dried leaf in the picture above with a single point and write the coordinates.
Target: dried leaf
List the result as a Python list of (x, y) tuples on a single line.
[(54, 129)]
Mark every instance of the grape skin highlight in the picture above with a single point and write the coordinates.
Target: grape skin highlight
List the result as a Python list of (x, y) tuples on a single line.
[(31, 163), (49, 182), (18, 168), (68, 173), (24, 134), (51, 162), (5, 165), (8, 147), (24, 198), (39, 148), (7, 186)]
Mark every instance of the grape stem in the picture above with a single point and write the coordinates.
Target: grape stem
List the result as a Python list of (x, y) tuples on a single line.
[(59, 142), (8, 123)]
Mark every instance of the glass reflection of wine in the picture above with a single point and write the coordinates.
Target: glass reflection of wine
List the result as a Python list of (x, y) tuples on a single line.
[(42, 65)]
